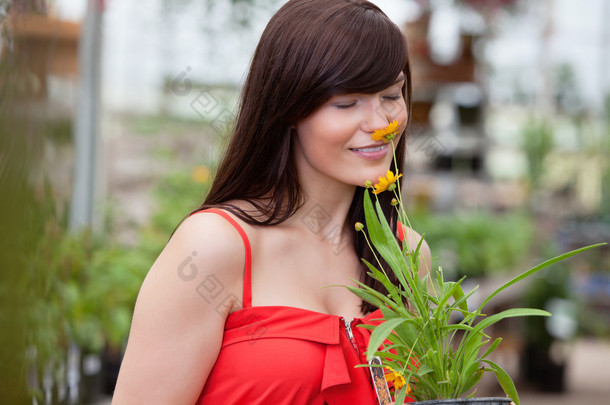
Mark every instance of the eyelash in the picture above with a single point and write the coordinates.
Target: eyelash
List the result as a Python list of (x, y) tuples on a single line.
[(345, 106), (353, 103)]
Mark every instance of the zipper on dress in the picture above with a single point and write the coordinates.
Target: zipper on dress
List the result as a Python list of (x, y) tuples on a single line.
[(350, 334)]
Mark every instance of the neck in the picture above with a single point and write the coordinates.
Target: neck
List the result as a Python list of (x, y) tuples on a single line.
[(324, 211)]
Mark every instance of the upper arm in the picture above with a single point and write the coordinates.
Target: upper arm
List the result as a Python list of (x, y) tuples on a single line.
[(179, 317), (413, 239)]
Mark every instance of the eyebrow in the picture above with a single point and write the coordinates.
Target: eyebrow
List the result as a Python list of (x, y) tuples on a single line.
[(400, 78)]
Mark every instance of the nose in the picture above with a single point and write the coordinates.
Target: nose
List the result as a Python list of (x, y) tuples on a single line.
[(376, 116)]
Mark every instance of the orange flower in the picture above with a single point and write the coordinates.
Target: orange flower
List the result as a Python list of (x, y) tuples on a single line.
[(386, 182), (396, 379), (386, 134)]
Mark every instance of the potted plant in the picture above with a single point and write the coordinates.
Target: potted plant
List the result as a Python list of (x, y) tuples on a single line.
[(430, 356)]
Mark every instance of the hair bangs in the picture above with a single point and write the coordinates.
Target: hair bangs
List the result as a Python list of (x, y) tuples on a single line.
[(355, 48), (377, 60)]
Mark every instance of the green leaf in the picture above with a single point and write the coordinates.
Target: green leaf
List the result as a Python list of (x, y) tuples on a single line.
[(424, 369), (536, 269), (457, 326), (374, 297), (383, 279), (450, 289), (401, 396), (474, 338), (505, 381), (383, 239), (473, 380), (458, 296), (381, 333), (491, 349), (509, 313), (462, 301), (471, 346)]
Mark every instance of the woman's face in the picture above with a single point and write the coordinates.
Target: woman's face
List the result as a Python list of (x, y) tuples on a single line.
[(334, 143)]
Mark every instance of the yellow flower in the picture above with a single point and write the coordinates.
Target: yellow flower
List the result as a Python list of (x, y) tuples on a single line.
[(200, 174), (388, 133), (396, 379), (385, 182)]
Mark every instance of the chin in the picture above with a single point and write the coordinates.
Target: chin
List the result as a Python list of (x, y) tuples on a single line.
[(381, 172), (373, 178)]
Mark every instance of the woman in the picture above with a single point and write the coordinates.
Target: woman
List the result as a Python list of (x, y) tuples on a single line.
[(234, 309)]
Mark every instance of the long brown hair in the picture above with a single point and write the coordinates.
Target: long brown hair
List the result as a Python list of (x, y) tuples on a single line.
[(310, 51)]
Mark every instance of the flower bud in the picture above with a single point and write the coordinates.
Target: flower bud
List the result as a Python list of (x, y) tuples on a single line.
[(394, 202), (358, 226), (368, 184), (392, 187)]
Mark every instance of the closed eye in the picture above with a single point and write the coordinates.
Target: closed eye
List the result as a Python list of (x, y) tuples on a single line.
[(345, 105), (393, 98)]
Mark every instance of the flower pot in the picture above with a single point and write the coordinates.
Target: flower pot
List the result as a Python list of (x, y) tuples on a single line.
[(467, 401)]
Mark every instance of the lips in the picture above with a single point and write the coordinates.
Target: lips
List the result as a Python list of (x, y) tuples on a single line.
[(372, 152), (369, 148)]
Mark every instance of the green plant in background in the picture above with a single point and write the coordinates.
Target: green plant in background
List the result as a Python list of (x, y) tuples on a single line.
[(60, 288), (35, 268), (80, 287), (31, 223), (605, 184), (179, 193), (568, 158), (477, 244), (97, 280), (100, 297), (538, 142), (117, 271), (28, 311)]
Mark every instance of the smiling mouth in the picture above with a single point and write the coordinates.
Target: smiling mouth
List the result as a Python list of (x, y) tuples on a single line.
[(370, 149)]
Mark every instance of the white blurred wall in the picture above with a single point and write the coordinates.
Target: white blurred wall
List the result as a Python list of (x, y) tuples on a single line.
[(144, 43)]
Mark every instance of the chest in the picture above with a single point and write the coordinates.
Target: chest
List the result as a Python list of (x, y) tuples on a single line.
[(306, 273)]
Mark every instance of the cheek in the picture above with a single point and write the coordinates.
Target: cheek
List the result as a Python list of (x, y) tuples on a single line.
[(314, 141), (401, 114), (325, 130)]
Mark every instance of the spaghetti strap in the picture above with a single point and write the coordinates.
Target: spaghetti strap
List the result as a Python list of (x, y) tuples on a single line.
[(247, 293)]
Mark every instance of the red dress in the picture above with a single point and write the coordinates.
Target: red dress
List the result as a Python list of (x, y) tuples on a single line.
[(287, 355)]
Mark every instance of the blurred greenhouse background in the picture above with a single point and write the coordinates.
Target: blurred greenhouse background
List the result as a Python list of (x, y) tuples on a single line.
[(113, 115)]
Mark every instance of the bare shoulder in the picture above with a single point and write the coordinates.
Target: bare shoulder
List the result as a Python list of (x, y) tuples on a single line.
[(205, 248), (180, 312), (210, 239)]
